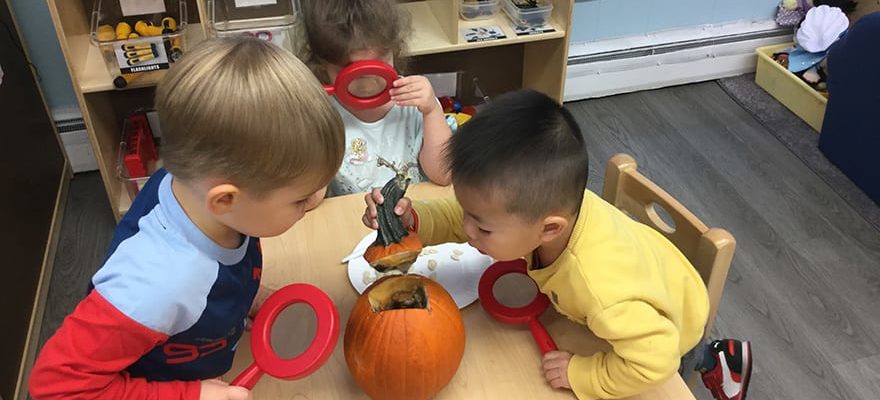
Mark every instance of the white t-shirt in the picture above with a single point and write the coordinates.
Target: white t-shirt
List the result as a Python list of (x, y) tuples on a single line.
[(397, 138)]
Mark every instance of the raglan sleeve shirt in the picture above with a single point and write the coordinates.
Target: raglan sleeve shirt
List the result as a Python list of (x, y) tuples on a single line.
[(166, 310)]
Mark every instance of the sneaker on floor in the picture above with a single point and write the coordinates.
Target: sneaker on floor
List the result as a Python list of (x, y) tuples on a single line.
[(727, 368)]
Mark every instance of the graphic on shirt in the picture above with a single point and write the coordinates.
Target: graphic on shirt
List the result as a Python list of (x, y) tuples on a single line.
[(202, 310), (359, 154), (404, 171), (397, 136), (179, 353)]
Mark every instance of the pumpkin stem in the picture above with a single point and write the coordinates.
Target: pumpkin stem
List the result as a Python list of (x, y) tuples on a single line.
[(391, 229)]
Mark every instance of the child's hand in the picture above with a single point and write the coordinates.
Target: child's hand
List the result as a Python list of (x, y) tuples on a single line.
[(415, 91), (403, 209), (215, 389), (556, 369)]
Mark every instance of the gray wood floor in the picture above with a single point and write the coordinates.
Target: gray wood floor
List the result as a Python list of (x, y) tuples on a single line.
[(805, 282)]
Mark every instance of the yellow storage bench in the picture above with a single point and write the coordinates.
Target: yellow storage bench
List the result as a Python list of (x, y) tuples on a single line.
[(790, 90)]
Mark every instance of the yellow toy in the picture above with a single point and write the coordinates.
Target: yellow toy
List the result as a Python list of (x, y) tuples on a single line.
[(145, 29), (123, 29), (106, 33), (460, 118), (137, 46), (169, 25), (138, 53)]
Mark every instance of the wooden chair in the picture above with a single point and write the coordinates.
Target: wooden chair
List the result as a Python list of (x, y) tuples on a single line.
[(710, 250)]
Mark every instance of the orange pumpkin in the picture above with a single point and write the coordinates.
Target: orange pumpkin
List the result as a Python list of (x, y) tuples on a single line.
[(395, 246), (400, 255), (404, 339)]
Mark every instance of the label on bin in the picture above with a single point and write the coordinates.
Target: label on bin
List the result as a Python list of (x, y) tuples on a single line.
[(251, 3), (142, 55), (483, 33), (526, 30), (141, 7)]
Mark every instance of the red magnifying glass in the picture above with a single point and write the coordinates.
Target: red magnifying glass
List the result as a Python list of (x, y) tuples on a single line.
[(384, 75), (527, 314), (265, 359)]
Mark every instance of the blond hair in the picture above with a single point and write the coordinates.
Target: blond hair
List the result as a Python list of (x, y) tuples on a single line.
[(245, 110)]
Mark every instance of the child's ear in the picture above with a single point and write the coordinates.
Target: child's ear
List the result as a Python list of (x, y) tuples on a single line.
[(553, 226), (221, 198)]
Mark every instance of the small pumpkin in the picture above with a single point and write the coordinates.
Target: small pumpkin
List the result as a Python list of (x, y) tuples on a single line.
[(404, 339), (395, 247)]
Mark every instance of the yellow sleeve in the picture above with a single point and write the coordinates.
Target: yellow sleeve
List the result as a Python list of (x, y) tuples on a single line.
[(645, 353), (439, 221)]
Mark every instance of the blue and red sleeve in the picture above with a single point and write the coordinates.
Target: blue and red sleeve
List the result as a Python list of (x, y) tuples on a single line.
[(87, 357)]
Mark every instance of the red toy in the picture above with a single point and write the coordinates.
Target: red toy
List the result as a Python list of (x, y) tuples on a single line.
[(141, 148), (448, 103), (361, 69), (265, 359), (527, 314)]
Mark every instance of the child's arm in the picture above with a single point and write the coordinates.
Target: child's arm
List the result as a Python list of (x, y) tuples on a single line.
[(645, 353), (87, 356), (417, 91), (436, 221)]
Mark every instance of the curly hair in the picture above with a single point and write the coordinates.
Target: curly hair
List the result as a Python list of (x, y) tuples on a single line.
[(335, 28)]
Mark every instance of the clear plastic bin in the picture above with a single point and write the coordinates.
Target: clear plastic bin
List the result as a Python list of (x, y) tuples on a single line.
[(276, 21), (528, 17), (472, 10), (135, 39)]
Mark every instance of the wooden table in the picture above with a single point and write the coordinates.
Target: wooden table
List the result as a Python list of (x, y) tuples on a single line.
[(500, 361)]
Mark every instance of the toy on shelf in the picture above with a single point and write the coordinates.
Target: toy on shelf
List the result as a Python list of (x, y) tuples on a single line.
[(136, 43), (472, 10), (467, 90), (141, 151), (138, 155), (528, 13), (456, 114)]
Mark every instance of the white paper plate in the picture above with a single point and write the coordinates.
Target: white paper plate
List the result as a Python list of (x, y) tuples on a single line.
[(459, 277)]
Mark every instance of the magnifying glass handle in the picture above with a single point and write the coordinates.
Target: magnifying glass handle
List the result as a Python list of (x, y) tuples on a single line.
[(542, 337), (330, 90), (249, 377)]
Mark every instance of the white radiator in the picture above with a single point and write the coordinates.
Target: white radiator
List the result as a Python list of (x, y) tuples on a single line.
[(667, 58), (76, 143)]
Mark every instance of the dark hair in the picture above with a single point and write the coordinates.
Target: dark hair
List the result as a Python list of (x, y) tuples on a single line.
[(334, 28), (526, 147)]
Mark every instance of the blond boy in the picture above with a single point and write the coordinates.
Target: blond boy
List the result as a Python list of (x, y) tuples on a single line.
[(248, 138)]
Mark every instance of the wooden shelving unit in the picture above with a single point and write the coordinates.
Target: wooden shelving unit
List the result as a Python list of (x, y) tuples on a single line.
[(436, 45)]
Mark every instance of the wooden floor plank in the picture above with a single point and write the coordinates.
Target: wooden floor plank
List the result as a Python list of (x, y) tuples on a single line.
[(863, 376), (86, 231)]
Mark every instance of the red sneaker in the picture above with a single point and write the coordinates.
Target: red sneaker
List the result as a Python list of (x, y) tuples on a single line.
[(729, 379)]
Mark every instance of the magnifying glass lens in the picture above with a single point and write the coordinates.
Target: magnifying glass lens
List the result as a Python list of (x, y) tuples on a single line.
[(294, 331), (367, 86), (514, 290)]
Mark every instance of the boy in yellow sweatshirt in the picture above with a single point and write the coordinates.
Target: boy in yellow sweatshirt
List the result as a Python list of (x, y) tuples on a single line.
[(520, 171)]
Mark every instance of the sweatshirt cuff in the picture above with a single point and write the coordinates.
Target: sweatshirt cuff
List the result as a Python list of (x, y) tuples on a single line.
[(580, 378)]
